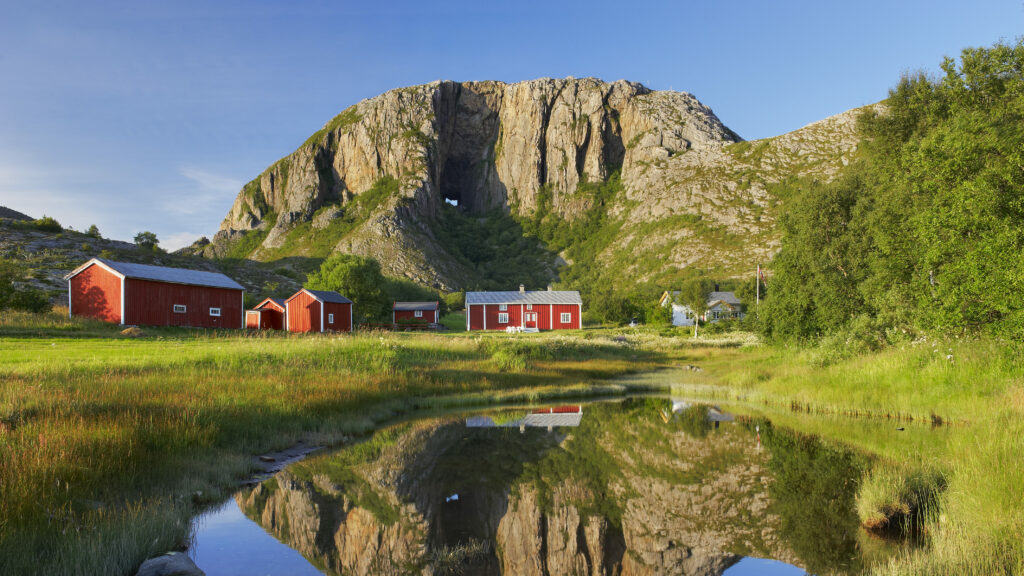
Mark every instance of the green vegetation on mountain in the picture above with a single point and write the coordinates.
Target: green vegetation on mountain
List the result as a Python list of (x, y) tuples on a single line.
[(925, 229)]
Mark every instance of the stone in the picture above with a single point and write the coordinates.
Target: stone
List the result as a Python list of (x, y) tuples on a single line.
[(171, 564), (492, 145)]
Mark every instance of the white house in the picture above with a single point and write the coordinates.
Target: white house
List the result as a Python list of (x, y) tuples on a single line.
[(721, 306)]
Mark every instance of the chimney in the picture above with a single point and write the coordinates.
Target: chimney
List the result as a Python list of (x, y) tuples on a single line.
[(522, 288), (716, 286), (549, 287)]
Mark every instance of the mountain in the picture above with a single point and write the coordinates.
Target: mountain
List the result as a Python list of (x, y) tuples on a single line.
[(13, 214), (591, 181)]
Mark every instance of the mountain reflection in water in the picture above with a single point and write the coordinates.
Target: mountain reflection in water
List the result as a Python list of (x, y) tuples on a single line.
[(641, 486)]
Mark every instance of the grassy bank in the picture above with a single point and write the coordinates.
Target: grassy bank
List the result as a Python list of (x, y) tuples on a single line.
[(108, 444), (974, 387)]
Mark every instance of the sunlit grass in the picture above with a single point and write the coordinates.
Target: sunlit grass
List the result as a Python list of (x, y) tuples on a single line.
[(100, 431), (973, 388)]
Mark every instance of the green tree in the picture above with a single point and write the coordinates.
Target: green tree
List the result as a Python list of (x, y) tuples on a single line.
[(15, 297), (694, 295), (147, 240), (93, 231), (358, 279)]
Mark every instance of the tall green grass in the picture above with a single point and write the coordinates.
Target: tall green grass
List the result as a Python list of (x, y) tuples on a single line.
[(100, 433), (974, 388)]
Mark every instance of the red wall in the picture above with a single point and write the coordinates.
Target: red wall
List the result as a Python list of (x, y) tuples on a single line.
[(410, 316), (96, 293), (548, 316), (303, 313), (264, 319), (152, 303), (342, 314)]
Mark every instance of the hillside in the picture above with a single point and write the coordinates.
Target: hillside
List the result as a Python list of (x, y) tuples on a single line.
[(45, 256), (574, 178)]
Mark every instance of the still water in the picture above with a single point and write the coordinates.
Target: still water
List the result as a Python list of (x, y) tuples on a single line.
[(637, 486)]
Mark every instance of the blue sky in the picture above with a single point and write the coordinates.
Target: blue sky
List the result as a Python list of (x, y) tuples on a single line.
[(151, 115)]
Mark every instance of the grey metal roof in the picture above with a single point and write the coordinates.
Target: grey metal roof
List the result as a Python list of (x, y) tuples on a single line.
[(415, 306), (327, 296), (530, 420), (528, 297), (165, 274), (727, 297)]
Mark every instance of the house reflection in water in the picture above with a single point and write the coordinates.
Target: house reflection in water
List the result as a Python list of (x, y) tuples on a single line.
[(547, 418)]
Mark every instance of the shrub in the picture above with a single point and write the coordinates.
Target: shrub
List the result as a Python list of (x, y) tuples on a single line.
[(48, 224)]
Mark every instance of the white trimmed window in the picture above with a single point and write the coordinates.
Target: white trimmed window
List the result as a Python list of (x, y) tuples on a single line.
[(180, 309), (214, 311), (566, 317), (503, 318), (529, 306), (330, 318), (502, 307), (418, 314)]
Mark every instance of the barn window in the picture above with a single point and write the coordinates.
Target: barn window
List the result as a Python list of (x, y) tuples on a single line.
[(502, 307), (330, 318), (529, 306), (214, 311), (566, 317), (503, 318), (419, 314), (180, 308)]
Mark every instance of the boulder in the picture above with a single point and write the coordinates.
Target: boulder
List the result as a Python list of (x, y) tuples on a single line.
[(170, 564)]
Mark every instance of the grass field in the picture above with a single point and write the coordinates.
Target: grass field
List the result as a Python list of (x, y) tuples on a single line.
[(110, 443), (974, 388)]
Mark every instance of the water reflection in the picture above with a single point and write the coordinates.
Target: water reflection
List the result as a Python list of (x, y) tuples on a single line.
[(642, 486)]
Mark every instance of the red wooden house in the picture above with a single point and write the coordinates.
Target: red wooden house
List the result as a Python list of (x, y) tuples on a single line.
[(318, 311), (267, 315), (140, 294), (415, 312), (525, 309)]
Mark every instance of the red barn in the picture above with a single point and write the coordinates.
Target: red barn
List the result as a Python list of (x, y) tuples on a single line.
[(415, 312), (526, 309), (318, 311), (140, 294), (267, 315)]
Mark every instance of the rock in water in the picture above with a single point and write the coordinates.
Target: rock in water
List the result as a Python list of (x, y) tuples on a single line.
[(171, 564)]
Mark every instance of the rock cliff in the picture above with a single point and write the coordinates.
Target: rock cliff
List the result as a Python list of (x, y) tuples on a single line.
[(375, 179)]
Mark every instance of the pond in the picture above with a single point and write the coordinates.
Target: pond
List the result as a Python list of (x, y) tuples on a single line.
[(637, 486)]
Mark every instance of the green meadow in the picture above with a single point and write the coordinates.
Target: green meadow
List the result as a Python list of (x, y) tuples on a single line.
[(110, 444)]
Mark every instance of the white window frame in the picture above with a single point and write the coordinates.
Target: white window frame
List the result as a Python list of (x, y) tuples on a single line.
[(503, 318), (418, 313), (215, 312), (330, 318), (502, 307), (566, 317), (180, 309), (529, 306)]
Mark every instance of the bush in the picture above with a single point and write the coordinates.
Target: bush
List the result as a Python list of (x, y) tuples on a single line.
[(47, 224)]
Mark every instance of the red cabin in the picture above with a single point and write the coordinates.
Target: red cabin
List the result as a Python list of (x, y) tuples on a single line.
[(140, 294), (529, 310), (415, 312), (318, 311), (267, 315)]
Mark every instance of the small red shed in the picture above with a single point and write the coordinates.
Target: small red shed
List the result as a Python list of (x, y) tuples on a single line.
[(267, 315), (141, 294), (415, 312), (531, 310), (318, 311)]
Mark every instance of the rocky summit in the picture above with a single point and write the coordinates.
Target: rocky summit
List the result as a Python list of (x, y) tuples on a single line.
[(382, 178)]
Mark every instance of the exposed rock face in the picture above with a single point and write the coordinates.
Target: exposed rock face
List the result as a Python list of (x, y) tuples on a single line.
[(317, 519), (493, 145)]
